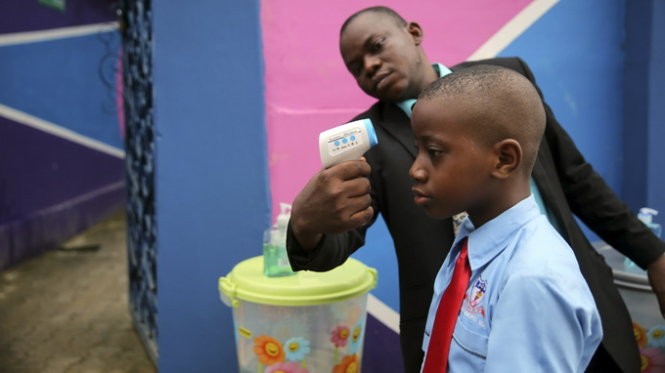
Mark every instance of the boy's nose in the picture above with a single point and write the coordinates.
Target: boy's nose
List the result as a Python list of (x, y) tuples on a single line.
[(417, 173)]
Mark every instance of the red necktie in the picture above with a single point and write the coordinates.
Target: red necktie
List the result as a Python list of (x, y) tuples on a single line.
[(446, 315)]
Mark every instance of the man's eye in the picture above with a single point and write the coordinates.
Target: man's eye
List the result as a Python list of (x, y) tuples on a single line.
[(377, 45)]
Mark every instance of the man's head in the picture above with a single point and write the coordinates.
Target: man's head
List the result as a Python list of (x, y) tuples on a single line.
[(384, 54), (478, 131)]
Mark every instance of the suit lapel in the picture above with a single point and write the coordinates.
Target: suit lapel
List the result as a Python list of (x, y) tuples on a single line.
[(398, 125)]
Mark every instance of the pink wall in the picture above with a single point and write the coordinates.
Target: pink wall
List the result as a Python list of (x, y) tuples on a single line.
[(308, 88)]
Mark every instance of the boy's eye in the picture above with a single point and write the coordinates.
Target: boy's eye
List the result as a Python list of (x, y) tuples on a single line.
[(433, 153)]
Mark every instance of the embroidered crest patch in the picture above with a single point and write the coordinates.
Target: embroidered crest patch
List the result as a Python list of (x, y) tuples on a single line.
[(473, 308)]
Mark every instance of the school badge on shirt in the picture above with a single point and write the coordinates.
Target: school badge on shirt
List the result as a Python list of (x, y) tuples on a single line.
[(473, 306)]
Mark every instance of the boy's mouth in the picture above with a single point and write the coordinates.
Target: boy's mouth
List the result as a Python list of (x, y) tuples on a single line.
[(419, 197)]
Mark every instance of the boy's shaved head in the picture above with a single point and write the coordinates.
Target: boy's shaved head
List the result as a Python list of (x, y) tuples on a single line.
[(501, 104)]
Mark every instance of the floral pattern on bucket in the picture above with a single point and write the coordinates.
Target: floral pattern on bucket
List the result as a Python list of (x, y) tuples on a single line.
[(342, 336), (290, 356), (268, 350), (652, 347), (278, 358), (356, 338), (286, 367), (349, 364)]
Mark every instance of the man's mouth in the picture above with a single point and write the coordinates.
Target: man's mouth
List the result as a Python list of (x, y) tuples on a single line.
[(380, 80)]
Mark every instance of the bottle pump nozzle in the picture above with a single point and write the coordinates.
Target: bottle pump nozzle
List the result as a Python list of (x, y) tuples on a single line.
[(282, 219), (646, 214)]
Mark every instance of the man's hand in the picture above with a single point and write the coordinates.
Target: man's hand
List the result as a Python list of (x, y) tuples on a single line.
[(656, 273), (335, 200)]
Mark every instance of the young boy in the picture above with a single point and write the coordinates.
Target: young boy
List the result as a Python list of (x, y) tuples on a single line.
[(522, 303)]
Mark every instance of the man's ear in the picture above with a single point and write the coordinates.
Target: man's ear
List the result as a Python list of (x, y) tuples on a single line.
[(415, 31), (508, 157)]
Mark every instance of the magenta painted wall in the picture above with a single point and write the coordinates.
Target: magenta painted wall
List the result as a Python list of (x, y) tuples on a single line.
[(308, 88)]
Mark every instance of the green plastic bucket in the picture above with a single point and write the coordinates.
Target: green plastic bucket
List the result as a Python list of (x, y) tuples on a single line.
[(307, 322)]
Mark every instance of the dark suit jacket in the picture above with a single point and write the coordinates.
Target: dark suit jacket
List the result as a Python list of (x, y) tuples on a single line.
[(568, 185)]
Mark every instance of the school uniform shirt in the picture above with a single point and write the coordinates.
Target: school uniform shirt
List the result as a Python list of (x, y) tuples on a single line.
[(527, 307)]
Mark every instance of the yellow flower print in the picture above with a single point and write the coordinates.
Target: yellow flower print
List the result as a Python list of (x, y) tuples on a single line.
[(349, 364)]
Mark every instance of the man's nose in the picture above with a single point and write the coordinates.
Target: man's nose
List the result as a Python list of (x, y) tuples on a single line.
[(371, 64)]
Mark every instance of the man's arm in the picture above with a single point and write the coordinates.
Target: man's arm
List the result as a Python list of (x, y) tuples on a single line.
[(596, 204)]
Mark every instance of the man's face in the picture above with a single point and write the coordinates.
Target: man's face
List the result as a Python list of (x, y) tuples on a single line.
[(452, 169), (382, 56)]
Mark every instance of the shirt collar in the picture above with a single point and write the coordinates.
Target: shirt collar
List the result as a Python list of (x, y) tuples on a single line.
[(491, 238), (407, 104)]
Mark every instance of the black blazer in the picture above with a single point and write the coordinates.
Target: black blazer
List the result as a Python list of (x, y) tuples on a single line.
[(568, 185)]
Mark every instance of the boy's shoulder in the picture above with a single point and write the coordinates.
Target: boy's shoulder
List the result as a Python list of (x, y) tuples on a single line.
[(538, 247)]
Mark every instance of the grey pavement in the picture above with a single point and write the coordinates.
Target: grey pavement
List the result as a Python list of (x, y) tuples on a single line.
[(67, 310)]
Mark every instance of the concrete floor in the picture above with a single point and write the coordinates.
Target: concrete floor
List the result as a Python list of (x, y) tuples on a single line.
[(67, 310)]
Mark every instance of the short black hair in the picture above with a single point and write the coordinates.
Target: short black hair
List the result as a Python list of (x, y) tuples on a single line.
[(502, 104), (399, 20)]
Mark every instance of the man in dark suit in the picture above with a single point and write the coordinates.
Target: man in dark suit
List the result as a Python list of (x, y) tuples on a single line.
[(333, 211)]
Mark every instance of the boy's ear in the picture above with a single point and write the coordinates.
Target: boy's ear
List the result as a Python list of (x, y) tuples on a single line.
[(415, 31), (508, 154)]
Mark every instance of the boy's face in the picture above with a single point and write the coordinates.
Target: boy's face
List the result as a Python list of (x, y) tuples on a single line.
[(452, 168), (382, 56)]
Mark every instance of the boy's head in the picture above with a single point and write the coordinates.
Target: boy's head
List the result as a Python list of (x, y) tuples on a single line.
[(384, 54), (478, 131)]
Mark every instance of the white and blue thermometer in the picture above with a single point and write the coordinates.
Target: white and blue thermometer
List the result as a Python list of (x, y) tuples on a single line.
[(346, 142)]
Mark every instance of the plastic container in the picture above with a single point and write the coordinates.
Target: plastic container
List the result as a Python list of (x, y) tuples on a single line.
[(308, 322), (648, 324)]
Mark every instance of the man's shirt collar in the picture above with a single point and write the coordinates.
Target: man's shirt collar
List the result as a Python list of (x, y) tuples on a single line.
[(407, 105)]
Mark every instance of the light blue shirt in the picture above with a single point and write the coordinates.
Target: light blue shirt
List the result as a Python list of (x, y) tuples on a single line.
[(527, 307)]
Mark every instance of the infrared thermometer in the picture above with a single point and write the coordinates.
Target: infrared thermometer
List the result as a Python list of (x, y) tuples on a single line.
[(346, 142)]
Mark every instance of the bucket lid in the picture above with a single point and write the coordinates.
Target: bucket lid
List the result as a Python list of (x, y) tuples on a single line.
[(306, 288)]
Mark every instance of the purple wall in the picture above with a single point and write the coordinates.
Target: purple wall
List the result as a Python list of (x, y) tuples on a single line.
[(61, 158), (22, 15)]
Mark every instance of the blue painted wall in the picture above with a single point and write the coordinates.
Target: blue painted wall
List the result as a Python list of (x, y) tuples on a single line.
[(53, 186), (211, 173), (644, 92), (656, 104)]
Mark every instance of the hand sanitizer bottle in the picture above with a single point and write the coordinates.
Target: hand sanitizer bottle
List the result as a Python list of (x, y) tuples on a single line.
[(275, 259), (645, 215)]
